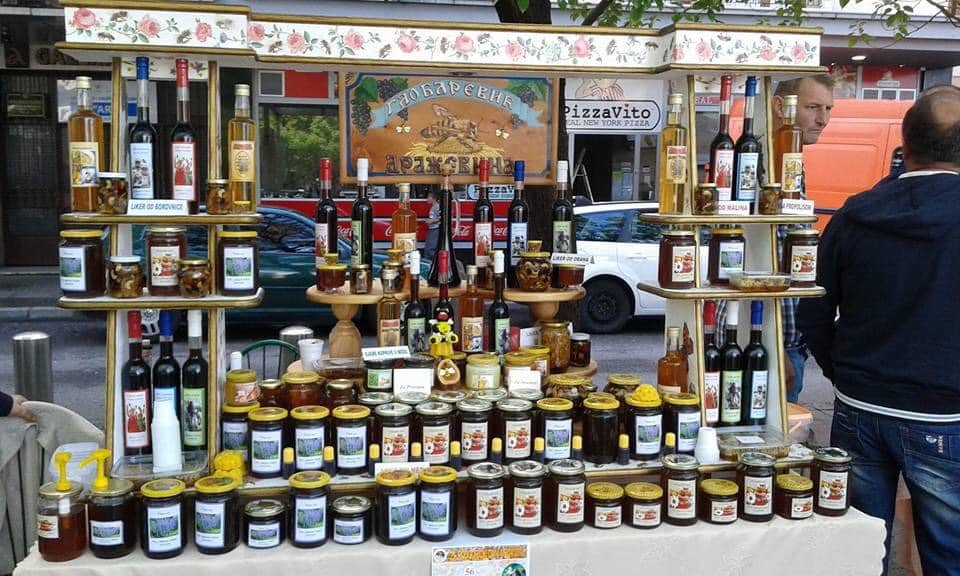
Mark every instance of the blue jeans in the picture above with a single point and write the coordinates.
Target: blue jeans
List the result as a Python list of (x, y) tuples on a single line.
[(928, 456), (798, 357)]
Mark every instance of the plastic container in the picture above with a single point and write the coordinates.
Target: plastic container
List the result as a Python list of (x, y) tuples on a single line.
[(352, 520), (163, 532), (264, 524), (308, 508), (396, 507), (81, 263), (437, 503), (759, 281), (485, 500), (216, 515)]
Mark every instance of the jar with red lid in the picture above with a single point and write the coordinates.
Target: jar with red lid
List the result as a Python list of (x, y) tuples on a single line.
[(166, 247), (800, 257), (678, 258)]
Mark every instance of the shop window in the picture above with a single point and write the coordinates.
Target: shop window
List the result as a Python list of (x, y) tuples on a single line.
[(294, 138), (600, 226)]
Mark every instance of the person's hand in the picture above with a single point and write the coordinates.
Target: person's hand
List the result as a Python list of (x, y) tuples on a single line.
[(789, 374), (18, 410)]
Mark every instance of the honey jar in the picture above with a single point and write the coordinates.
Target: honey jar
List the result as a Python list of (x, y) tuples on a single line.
[(718, 502), (644, 504), (604, 505), (525, 494), (437, 502), (830, 472), (679, 481), (565, 495), (678, 259), (794, 497), (485, 499)]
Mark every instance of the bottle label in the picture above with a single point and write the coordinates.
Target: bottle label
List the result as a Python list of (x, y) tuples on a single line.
[(351, 447), (684, 258), (722, 174), (311, 519), (757, 495), (558, 434), (388, 333), (833, 490), (164, 394), (164, 265), (791, 169), (435, 513), (607, 516), (681, 499), (238, 268), (665, 389), (244, 393), (106, 533), (646, 515), (84, 164), (194, 411), (321, 242), (356, 242), (436, 444), (209, 525), (482, 241), (562, 236), (711, 396), (731, 394), (235, 437), (48, 526), (723, 512), (380, 379), (471, 334), (266, 447), (803, 263), (395, 443), (730, 258), (801, 507), (243, 161), (527, 503), (309, 447), (490, 509), (758, 400), (417, 338), (406, 241), (184, 175), (403, 515), (518, 442), (747, 176), (264, 535), (518, 241), (347, 531), (474, 441), (647, 432), (501, 331), (141, 171), (163, 528), (676, 168), (688, 426), (73, 270), (570, 503)]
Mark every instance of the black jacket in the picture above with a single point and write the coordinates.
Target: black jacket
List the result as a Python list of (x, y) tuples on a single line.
[(6, 403)]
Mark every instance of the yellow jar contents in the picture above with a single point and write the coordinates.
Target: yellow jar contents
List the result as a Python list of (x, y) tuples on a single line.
[(241, 387), (483, 371)]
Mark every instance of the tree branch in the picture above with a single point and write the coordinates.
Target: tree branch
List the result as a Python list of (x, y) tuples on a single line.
[(596, 12)]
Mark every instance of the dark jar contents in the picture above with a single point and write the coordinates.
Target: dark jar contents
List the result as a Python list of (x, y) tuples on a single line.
[(718, 501), (643, 423), (755, 475), (678, 260), (340, 392), (794, 497), (727, 251), (303, 389), (830, 472), (263, 524), (569, 275), (485, 499), (604, 505), (112, 514), (580, 349), (61, 522), (396, 507), (644, 504), (769, 202), (309, 436), (525, 494), (352, 520), (681, 415), (266, 442), (350, 434), (112, 194), (379, 375), (622, 386), (601, 428), (238, 263), (235, 428), (392, 431), (514, 426), (565, 495), (411, 398), (216, 515), (273, 393), (555, 426), (679, 482), (166, 246), (800, 257), (433, 429), (82, 270), (308, 508), (163, 532), (437, 502), (474, 419)]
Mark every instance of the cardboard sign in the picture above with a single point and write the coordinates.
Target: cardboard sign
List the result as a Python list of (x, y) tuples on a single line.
[(558, 258), (414, 467), (796, 207), (412, 380), (529, 337), (523, 379), (385, 353), (157, 207), (733, 208)]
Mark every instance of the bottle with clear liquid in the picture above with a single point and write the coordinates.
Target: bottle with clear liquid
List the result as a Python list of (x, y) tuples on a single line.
[(85, 131), (672, 367), (673, 160), (242, 150)]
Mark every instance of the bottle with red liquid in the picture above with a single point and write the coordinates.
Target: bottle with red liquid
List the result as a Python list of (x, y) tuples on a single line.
[(183, 144), (135, 384), (722, 147), (482, 225)]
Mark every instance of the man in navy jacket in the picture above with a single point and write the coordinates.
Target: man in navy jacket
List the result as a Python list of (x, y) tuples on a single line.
[(890, 261)]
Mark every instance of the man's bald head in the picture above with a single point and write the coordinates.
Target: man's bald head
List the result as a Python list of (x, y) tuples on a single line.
[(931, 131)]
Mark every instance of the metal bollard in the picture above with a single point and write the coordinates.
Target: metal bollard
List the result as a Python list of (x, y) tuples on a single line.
[(32, 366), (292, 335)]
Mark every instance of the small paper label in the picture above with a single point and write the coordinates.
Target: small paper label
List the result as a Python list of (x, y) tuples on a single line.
[(527, 504), (48, 526), (523, 379), (471, 334), (558, 435), (164, 265), (731, 258), (676, 169), (757, 495), (194, 412), (73, 270), (681, 499), (688, 426), (647, 433), (646, 515), (106, 533), (136, 419), (402, 514), (84, 163), (309, 448), (518, 442), (608, 516), (733, 208), (747, 176), (163, 528), (801, 507), (803, 263), (238, 272), (684, 258), (791, 170), (385, 353), (833, 490), (501, 331), (414, 467), (184, 170), (570, 503), (730, 396), (711, 396), (489, 509), (529, 337), (243, 161), (389, 333), (347, 531), (141, 171), (266, 447), (562, 236), (435, 513), (263, 535), (235, 437), (351, 447), (518, 241), (310, 515), (412, 380), (473, 441), (576, 259), (482, 243), (758, 398), (723, 512), (722, 174), (796, 207), (395, 443), (208, 525), (749, 440), (155, 207), (417, 338), (436, 444)]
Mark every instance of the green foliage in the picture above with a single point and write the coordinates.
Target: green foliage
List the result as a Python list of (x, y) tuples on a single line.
[(298, 142)]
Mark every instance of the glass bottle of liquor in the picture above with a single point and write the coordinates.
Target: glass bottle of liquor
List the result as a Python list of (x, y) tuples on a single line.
[(445, 244), (443, 311), (746, 162), (755, 379), (562, 213), (326, 219), (135, 383), (85, 128), (242, 149), (517, 219), (183, 144), (482, 224), (721, 149), (498, 316), (415, 315), (195, 405), (788, 151), (361, 221), (471, 315), (673, 160), (711, 364), (731, 374), (404, 225), (388, 321), (166, 370), (672, 367), (143, 142)]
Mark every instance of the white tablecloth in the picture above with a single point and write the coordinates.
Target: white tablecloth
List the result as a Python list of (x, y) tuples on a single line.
[(850, 546)]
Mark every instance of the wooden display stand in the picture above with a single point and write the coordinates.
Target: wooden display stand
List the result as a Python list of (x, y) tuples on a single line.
[(344, 340), (544, 305)]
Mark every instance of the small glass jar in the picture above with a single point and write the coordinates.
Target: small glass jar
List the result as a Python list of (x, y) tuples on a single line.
[(238, 263), (379, 377), (235, 428), (570, 275), (241, 207), (352, 520), (681, 415), (331, 277), (541, 360), (308, 508), (534, 272), (769, 201), (390, 279), (433, 428), (514, 426), (112, 194), (350, 433), (555, 426), (218, 200), (437, 502), (194, 278), (485, 499), (81, 263), (373, 399), (166, 246), (755, 475), (644, 504), (565, 495), (727, 252), (622, 386), (492, 395), (678, 260), (396, 260), (303, 389), (643, 423), (794, 497), (273, 393), (310, 424), (601, 428), (604, 505), (163, 533), (705, 199), (474, 419), (580, 349), (679, 482), (483, 371), (525, 494), (800, 257), (556, 336), (264, 525), (830, 472), (340, 392), (61, 522), (522, 361), (396, 507), (125, 277), (572, 387), (718, 501), (216, 515), (360, 279), (266, 442), (241, 387), (112, 514), (411, 398), (392, 431)]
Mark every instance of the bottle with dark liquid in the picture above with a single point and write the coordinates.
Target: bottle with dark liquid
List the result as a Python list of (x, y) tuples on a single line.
[(498, 316), (721, 149), (135, 383), (361, 221), (517, 219), (746, 163), (788, 151), (731, 374), (166, 370), (142, 149), (415, 315), (183, 145), (712, 364), (195, 407), (755, 375), (482, 224), (562, 218), (471, 315), (326, 218), (445, 244), (242, 149), (443, 311), (85, 128)]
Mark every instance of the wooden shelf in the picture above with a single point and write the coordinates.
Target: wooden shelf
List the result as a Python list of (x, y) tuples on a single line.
[(345, 297), (586, 371), (551, 295), (724, 293), (692, 219), (93, 218), (161, 302), (428, 292)]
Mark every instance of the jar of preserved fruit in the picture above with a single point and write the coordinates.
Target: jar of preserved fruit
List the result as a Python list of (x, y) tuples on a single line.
[(679, 480), (705, 199), (718, 503), (273, 393), (483, 371), (681, 415), (392, 431), (601, 428), (331, 277), (492, 395), (309, 436), (216, 514), (241, 387), (218, 200), (308, 508), (396, 507), (163, 533), (352, 519), (621, 386), (303, 389), (475, 426), (755, 475), (580, 349), (830, 472), (525, 494), (433, 428), (485, 499), (541, 360), (437, 502), (555, 426), (514, 425), (266, 442), (360, 279), (235, 428), (194, 278), (769, 202), (572, 387), (644, 504), (395, 260), (81, 263), (534, 270), (604, 505), (340, 392), (565, 495), (112, 194), (726, 255), (643, 423), (800, 257), (379, 375), (263, 524), (350, 434), (112, 514), (238, 263), (556, 336), (61, 521), (166, 246), (125, 277), (678, 260), (794, 497)]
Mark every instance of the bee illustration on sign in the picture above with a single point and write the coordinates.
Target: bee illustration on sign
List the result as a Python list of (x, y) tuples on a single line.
[(466, 132)]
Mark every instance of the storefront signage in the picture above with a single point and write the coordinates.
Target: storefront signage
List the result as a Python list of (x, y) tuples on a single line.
[(155, 207), (26, 106), (559, 258), (613, 116)]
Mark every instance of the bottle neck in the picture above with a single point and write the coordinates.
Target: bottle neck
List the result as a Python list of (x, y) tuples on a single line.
[(362, 189), (143, 100), (748, 103), (136, 349), (756, 334), (195, 343), (673, 344), (241, 107), (183, 104), (673, 116), (731, 335), (499, 284), (414, 287), (471, 284), (83, 99), (482, 190), (166, 346), (562, 187), (325, 186), (709, 334), (405, 199), (789, 115), (518, 190), (724, 117)]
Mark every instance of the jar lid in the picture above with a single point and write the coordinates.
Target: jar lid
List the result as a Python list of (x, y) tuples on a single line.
[(396, 478), (375, 398), (396, 251), (379, 363), (393, 410), (771, 185), (166, 229), (474, 405), (725, 231), (566, 467), (361, 267), (794, 482), (718, 487), (81, 233), (680, 462), (758, 459), (678, 233), (412, 398), (458, 356), (419, 360), (217, 181), (216, 484), (555, 404), (527, 394), (803, 232), (351, 504), (483, 359), (486, 471), (125, 259), (112, 175), (340, 384), (527, 469), (238, 234), (598, 402), (569, 380), (434, 408), (681, 399), (162, 488), (309, 413), (514, 405), (351, 412), (268, 414), (518, 358), (605, 395), (832, 455), (332, 267), (115, 487), (580, 337), (624, 379), (572, 266), (194, 262), (49, 490), (702, 185), (448, 396), (555, 325), (537, 351), (492, 395), (643, 491), (309, 480), (438, 475), (645, 396), (271, 384), (231, 409), (604, 491), (388, 273), (534, 254), (242, 376), (264, 508)]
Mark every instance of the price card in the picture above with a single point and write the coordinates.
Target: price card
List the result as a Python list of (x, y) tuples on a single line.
[(523, 379), (157, 208), (412, 380), (558, 258), (796, 207), (733, 208), (385, 353), (466, 555), (529, 337)]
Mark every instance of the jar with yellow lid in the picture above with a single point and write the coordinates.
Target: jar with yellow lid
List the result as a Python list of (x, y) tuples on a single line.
[(556, 336), (604, 505), (572, 387), (81, 263), (621, 386), (194, 278), (266, 441), (216, 514), (718, 502), (681, 416), (534, 271), (304, 388), (523, 361), (350, 431), (166, 246), (396, 507), (794, 497), (308, 508), (555, 426), (241, 207), (643, 423), (238, 263), (331, 277), (163, 533), (601, 429), (437, 502), (61, 518), (541, 360), (483, 371), (235, 427), (241, 387), (727, 251), (643, 504), (218, 200), (309, 436), (273, 393)]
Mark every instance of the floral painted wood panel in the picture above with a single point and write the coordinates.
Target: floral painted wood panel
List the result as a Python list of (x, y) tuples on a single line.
[(160, 28)]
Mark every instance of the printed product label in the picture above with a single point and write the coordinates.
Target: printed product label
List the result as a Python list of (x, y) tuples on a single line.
[(136, 419), (209, 525), (803, 263), (435, 513), (243, 161), (347, 531), (474, 441), (711, 396), (747, 178), (184, 170), (558, 436), (436, 444), (791, 168), (608, 516), (647, 432), (194, 413), (471, 333), (321, 243), (681, 499), (356, 242), (723, 512), (801, 507), (164, 394), (730, 396), (757, 495), (235, 437), (238, 268), (84, 164), (351, 447), (758, 401), (833, 490), (518, 442), (676, 168), (731, 258), (141, 171), (378, 379), (502, 333), (164, 265), (311, 525), (266, 447), (684, 258), (722, 174), (482, 242), (163, 528), (406, 241), (403, 515), (646, 515), (389, 332), (245, 393), (396, 443), (570, 503), (518, 241), (309, 448), (48, 526), (562, 236), (106, 533), (417, 338), (688, 426), (73, 270), (526, 507), (664, 389), (490, 508), (264, 535)]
